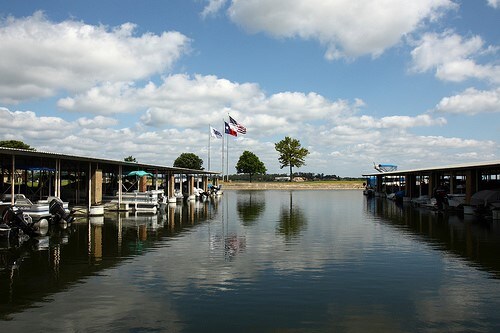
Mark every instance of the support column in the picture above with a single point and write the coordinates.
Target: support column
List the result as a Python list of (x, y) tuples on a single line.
[(470, 184), (452, 183), (204, 181), (171, 188), (12, 180), (120, 184), (190, 184), (410, 185), (57, 190), (143, 184), (379, 183), (96, 187), (89, 180)]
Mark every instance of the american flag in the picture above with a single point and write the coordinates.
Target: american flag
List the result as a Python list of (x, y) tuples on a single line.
[(240, 128)]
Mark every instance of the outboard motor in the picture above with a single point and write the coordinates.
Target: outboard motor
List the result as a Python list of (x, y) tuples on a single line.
[(16, 220), (58, 212)]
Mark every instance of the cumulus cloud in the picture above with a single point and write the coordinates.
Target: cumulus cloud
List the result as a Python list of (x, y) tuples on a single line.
[(32, 127), (41, 57), (183, 105), (182, 100), (346, 28), (471, 102), (453, 57)]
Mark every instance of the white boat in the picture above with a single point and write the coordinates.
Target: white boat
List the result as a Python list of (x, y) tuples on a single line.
[(37, 211), (40, 210), (136, 201)]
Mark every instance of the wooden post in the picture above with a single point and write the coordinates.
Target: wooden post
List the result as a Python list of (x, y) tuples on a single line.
[(12, 180), (120, 184), (470, 184)]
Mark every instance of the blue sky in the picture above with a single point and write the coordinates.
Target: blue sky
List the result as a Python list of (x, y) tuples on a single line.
[(411, 83)]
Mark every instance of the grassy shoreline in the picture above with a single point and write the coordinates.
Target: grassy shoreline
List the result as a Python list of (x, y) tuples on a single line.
[(307, 185)]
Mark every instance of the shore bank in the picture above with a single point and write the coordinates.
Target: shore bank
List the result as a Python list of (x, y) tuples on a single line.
[(312, 185)]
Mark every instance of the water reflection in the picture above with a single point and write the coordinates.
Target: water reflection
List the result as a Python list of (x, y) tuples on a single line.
[(250, 206), (32, 270), (292, 220), (200, 267), (477, 241)]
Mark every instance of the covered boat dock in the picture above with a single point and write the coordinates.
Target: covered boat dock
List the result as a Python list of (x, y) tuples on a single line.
[(88, 181), (460, 179)]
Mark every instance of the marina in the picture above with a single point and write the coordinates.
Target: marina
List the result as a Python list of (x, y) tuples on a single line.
[(302, 259), (472, 188), (90, 182)]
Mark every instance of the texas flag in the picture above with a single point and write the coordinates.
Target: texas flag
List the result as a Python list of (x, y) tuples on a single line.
[(229, 130)]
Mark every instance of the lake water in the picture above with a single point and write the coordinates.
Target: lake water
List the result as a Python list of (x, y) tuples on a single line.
[(259, 261)]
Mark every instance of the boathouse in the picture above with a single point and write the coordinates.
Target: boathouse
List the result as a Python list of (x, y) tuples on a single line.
[(88, 181), (466, 179)]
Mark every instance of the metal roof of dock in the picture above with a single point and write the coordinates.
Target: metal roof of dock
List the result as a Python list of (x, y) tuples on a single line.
[(453, 167), (30, 155)]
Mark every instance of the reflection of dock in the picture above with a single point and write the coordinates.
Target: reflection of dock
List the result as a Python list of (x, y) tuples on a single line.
[(464, 236), (87, 246)]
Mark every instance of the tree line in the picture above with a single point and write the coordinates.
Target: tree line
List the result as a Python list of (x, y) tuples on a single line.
[(291, 155)]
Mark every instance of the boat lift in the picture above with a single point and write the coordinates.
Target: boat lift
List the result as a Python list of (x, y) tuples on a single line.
[(385, 167)]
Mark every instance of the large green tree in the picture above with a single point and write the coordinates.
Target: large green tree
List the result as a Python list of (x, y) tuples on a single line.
[(15, 144), (189, 161), (130, 159), (291, 154), (251, 164)]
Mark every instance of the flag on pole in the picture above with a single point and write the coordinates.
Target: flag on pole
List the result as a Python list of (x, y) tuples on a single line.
[(215, 133), (240, 128), (229, 130)]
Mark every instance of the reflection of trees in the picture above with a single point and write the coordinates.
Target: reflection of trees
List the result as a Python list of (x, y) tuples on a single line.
[(250, 207), (292, 220)]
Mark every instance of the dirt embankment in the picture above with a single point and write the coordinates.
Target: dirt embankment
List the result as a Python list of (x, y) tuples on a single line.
[(333, 185)]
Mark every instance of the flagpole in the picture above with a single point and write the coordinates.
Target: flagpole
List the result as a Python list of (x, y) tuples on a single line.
[(227, 160), (209, 135), (227, 153), (222, 150)]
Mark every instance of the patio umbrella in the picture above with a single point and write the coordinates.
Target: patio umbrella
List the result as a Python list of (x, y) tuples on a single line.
[(138, 173)]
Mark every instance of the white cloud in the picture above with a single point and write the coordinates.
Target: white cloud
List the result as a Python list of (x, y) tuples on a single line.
[(40, 57), (107, 98), (452, 57), (32, 127), (194, 101), (347, 28), (97, 122), (494, 3), (471, 102), (394, 122), (213, 7)]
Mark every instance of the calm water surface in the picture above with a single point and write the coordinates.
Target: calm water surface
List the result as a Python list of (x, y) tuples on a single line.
[(259, 261)]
